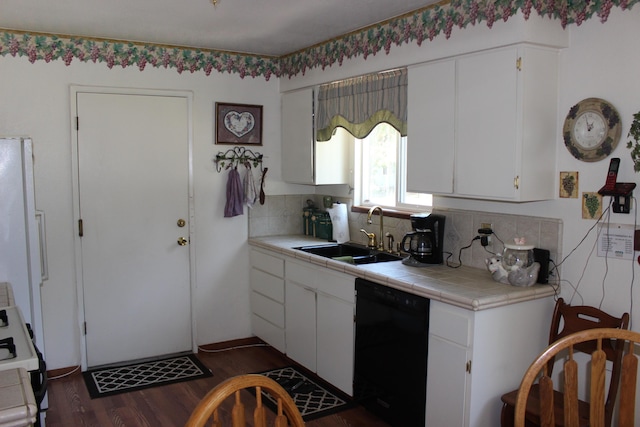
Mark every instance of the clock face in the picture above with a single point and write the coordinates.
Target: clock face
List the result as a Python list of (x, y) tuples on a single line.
[(591, 130)]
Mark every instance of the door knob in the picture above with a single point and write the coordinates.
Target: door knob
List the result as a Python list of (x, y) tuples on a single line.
[(182, 241)]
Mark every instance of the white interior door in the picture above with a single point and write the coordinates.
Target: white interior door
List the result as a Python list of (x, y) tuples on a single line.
[(133, 181)]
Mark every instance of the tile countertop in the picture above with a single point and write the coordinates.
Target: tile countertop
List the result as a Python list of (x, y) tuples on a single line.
[(466, 287)]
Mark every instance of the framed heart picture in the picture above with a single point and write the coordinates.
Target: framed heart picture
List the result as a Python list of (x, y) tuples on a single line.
[(238, 124)]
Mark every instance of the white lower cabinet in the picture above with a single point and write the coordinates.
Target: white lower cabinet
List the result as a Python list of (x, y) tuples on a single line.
[(300, 324), (477, 356), (474, 357), (306, 312), (335, 341), (319, 308), (449, 355), (267, 298)]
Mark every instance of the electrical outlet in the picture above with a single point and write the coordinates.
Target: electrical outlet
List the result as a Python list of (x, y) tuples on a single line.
[(487, 226)]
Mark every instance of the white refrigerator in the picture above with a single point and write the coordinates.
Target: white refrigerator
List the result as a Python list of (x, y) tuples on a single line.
[(22, 259)]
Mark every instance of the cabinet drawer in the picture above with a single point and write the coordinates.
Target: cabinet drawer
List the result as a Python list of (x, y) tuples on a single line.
[(267, 263), (267, 285), (302, 274), (268, 309), (450, 323), (337, 285), (268, 332)]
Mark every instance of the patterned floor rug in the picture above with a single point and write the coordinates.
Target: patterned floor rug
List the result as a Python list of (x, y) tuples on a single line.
[(313, 397), (121, 379)]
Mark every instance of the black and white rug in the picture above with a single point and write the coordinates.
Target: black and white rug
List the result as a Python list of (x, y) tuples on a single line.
[(121, 379), (313, 397)]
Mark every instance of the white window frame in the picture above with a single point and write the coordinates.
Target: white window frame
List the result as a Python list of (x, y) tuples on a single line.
[(401, 184)]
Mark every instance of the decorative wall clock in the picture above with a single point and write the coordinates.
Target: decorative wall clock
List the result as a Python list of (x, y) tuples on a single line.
[(591, 130)]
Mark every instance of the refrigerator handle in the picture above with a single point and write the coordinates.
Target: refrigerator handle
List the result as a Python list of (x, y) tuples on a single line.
[(42, 235)]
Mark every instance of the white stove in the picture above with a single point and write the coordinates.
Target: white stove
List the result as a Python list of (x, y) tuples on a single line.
[(19, 357), (16, 347)]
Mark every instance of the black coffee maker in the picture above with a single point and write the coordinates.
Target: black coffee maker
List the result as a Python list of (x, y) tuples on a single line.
[(424, 244)]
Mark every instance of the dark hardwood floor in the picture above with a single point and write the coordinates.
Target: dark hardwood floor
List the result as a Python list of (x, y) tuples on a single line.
[(171, 405)]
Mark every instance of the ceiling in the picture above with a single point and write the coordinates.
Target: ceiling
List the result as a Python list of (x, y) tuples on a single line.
[(275, 27)]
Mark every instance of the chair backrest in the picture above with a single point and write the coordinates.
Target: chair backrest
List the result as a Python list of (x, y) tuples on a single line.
[(208, 410), (568, 319), (600, 336)]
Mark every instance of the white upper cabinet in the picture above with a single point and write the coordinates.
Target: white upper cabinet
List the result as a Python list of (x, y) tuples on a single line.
[(297, 136), (484, 125), (305, 160), (431, 127)]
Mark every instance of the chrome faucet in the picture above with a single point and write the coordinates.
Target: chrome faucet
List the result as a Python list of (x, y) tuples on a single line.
[(390, 241), (381, 235)]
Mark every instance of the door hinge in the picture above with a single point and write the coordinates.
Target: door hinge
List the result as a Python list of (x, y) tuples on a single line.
[(77, 123), (468, 368), (84, 326), (519, 63), (516, 182), (80, 228)]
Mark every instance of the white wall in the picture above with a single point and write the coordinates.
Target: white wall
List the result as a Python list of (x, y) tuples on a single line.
[(35, 102), (601, 60)]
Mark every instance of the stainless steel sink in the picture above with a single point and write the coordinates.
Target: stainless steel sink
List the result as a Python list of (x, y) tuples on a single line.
[(350, 252)]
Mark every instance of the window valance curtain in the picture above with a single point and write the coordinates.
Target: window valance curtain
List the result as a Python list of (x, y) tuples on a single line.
[(360, 103)]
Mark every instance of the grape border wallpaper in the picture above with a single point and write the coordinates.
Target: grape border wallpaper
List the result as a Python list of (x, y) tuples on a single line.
[(417, 27)]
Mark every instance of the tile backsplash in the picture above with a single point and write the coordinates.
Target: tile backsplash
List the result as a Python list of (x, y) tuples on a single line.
[(282, 215)]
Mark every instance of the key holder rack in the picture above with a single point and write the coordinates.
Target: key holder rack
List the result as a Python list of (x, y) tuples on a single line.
[(237, 156)]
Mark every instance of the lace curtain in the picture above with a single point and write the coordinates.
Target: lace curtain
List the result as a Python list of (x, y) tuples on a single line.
[(360, 103)]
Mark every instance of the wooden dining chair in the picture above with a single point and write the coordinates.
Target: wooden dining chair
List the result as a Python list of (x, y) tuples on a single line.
[(567, 412), (567, 320), (209, 411)]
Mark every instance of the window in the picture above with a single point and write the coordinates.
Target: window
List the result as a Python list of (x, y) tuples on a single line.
[(372, 111), (380, 171)]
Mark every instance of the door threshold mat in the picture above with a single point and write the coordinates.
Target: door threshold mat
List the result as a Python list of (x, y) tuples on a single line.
[(108, 381), (314, 397)]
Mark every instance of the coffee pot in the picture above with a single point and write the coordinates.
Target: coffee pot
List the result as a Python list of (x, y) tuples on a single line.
[(424, 244)]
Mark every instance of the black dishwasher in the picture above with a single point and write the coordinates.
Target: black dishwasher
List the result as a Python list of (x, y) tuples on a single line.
[(391, 353)]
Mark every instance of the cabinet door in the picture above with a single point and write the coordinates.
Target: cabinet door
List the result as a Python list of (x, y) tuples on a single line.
[(334, 159), (297, 136), (446, 383), (335, 341), (487, 114), (300, 311), (431, 126)]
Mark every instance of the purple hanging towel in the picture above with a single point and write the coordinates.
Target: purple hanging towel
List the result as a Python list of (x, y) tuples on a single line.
[(235, 195)]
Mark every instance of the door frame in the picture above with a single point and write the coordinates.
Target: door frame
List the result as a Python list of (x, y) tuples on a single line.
[(74, 91)]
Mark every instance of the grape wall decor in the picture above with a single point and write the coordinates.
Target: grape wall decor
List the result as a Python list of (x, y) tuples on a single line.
[(569, 185), (591, 205), (417, 27), (634, 142)]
